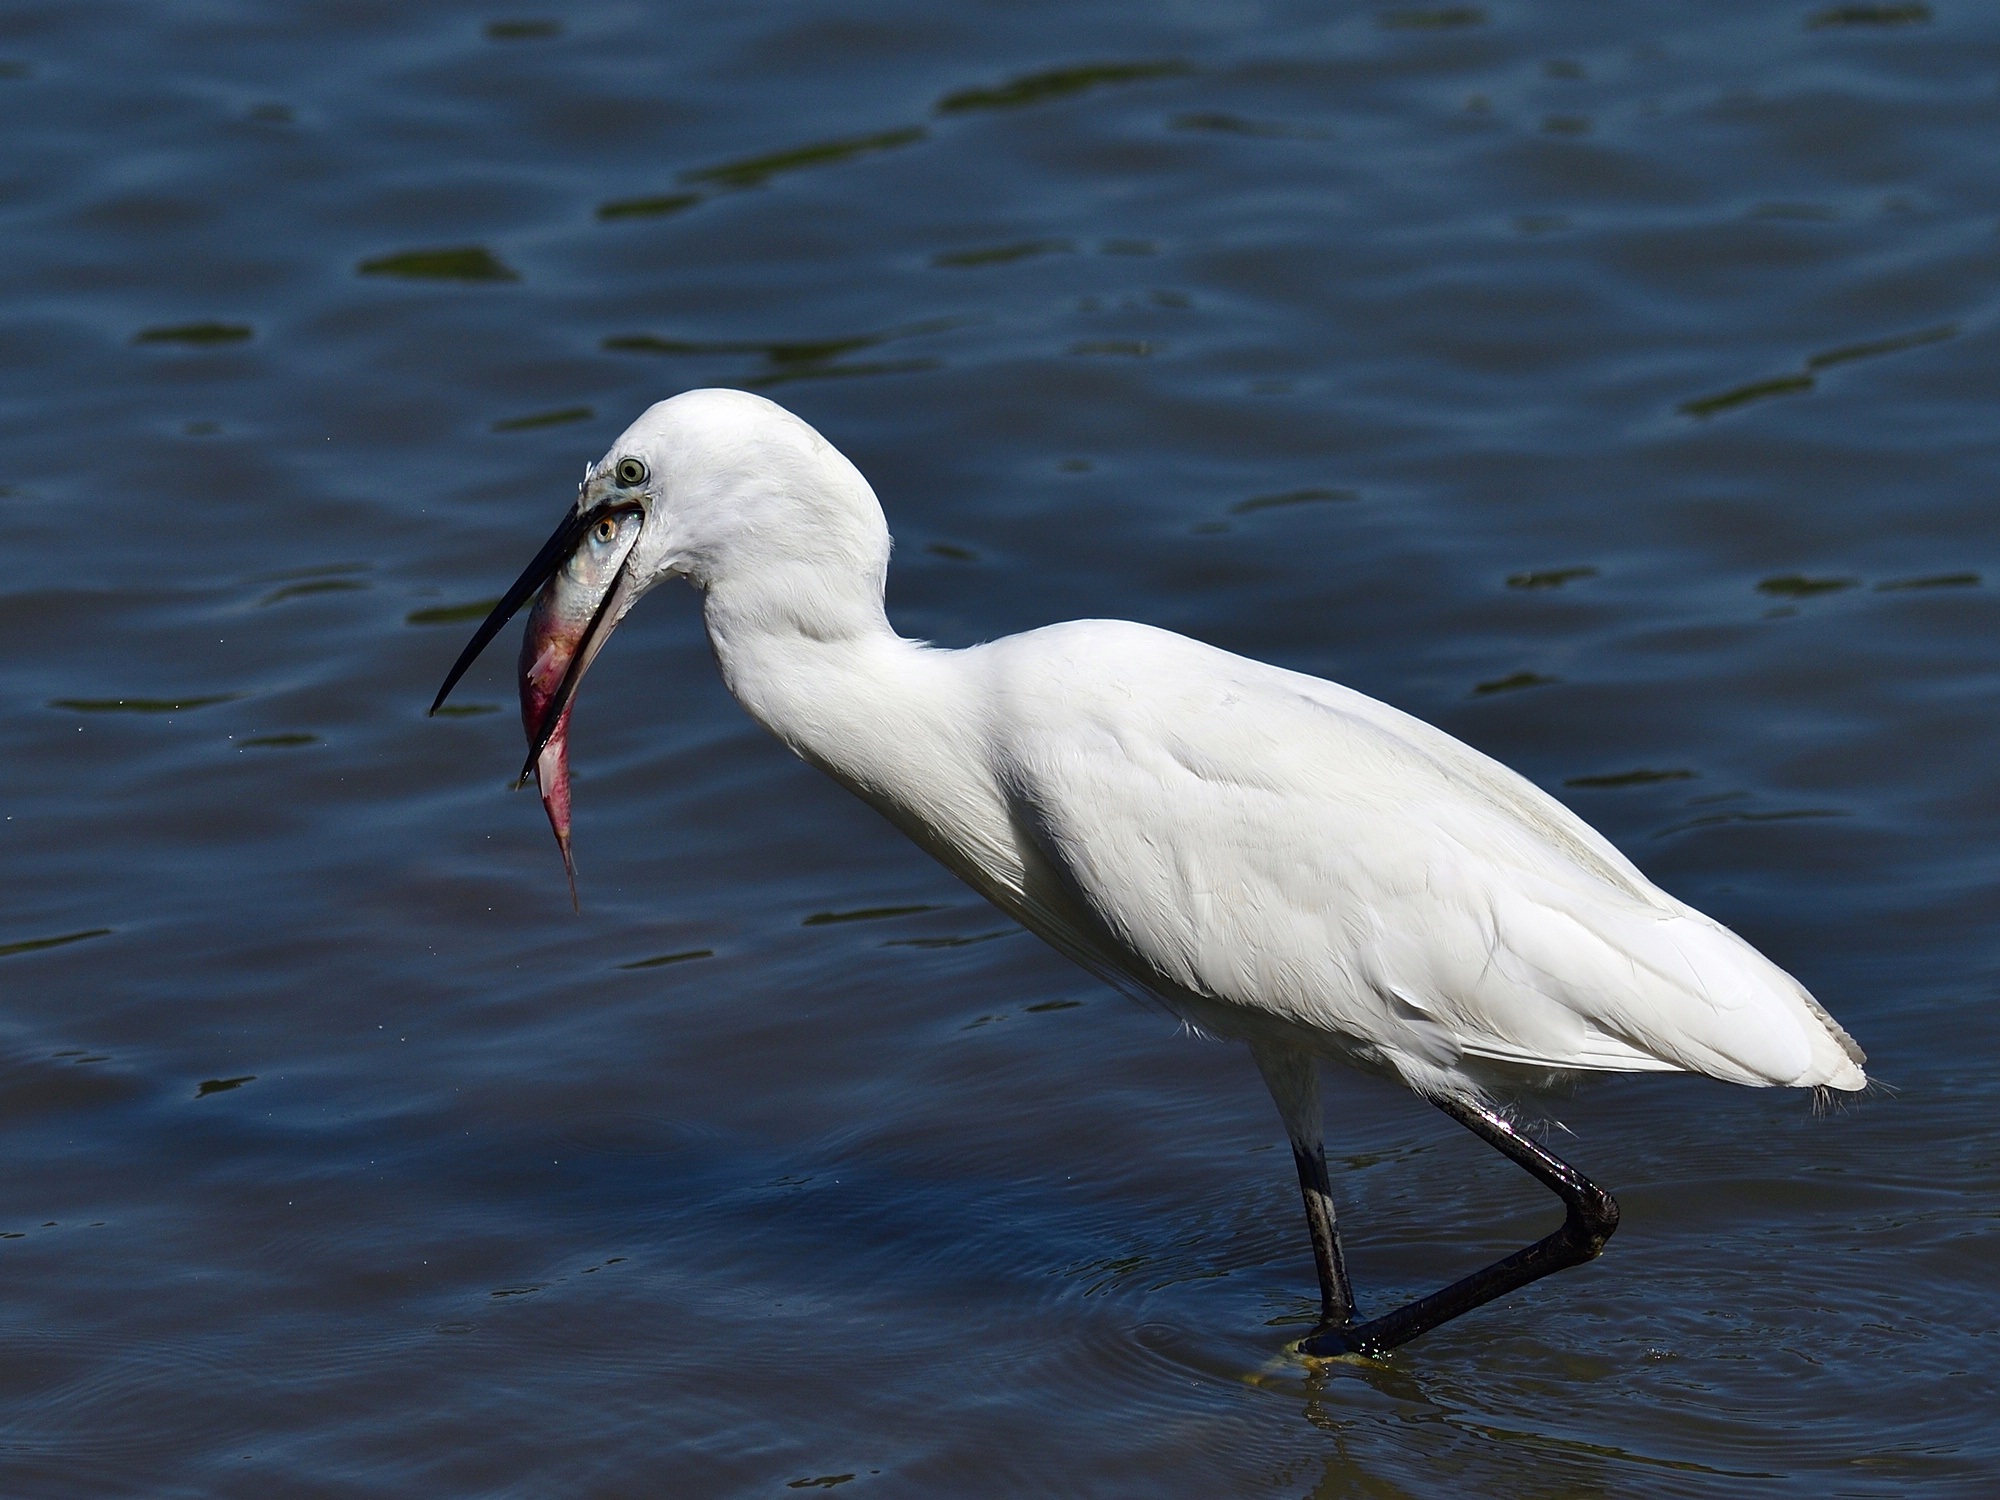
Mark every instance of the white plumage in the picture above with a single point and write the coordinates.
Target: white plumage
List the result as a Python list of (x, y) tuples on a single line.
[(1273, 856)]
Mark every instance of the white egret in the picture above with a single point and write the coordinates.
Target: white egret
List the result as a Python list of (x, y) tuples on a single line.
[(1273, 857)]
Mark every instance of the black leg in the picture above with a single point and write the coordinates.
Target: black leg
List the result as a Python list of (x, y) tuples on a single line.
[(1293, 1078), (1591, 1218), (1336, 1296)]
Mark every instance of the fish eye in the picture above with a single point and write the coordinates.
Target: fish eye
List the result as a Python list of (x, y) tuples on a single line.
[(631, 472), (604, 530)]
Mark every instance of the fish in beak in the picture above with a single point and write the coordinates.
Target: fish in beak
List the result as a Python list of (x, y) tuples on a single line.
[(585, 588)]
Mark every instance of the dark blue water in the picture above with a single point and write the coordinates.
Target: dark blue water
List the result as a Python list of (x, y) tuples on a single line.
[(1613, 386)]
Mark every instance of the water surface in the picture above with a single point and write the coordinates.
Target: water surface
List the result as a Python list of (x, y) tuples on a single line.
[(1613, 388)]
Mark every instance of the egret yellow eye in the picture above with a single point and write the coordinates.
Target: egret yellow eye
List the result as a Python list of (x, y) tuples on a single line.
[(631, 472), (604, 530)]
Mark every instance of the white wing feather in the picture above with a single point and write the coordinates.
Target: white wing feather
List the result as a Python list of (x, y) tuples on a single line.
[(1283, 846)]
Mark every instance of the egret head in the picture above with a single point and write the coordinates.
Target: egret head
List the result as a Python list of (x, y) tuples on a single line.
[(716, 486)]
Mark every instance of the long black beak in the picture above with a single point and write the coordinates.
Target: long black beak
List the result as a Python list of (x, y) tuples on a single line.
[(555, 552)]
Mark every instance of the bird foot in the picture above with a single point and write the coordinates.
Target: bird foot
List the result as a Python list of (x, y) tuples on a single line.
[(1337, 1341)]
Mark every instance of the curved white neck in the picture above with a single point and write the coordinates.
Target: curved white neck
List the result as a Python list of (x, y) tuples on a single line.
[(810, 653), (896, 722)]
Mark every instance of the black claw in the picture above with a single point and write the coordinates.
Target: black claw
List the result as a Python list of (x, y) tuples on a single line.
[(1331, 1343)]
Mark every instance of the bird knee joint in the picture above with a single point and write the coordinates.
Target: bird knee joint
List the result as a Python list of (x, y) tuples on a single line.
[(1593, 1216)]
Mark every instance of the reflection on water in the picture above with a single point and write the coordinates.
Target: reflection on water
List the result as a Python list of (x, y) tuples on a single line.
[(466, 263), (1612, 389)]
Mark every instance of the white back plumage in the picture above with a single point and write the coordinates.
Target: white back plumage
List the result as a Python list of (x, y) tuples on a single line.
[(1273, 856)]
